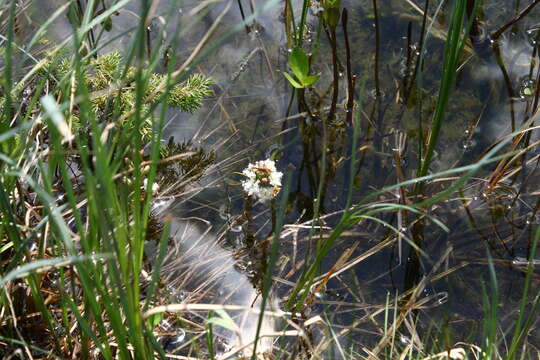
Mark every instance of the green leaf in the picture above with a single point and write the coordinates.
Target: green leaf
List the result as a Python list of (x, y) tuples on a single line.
[(298, 61), (154, 320), (45, 264), (7, 246), (226, 316), (293, 82), (57, 117), (107, 24), (331, 16), (224, 320), (310, 80), (331, 4)]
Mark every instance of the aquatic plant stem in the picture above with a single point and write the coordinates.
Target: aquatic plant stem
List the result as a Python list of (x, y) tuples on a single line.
[(248, 214), (417, 70), (354, 146), (452, 50), (300, 38), (274, 252), (417, 81), (408, 60), (507, 81), (376, 114), (377, 49), (351, 79), (243, 15), (289, 24), (331, 32)]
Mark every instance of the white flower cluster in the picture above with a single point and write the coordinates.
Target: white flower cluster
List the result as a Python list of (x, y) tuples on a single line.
[(263, 180)]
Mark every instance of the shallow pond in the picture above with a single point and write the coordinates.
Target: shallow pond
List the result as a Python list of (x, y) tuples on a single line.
[(257, 114), (253, 115)]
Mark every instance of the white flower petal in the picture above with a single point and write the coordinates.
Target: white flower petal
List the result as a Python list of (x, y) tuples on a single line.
[(263, 169)]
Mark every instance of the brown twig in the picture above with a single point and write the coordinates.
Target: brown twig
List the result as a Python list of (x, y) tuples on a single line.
[(521, 15)]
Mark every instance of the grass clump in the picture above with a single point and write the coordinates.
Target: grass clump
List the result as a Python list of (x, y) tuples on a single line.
[(80, 157)]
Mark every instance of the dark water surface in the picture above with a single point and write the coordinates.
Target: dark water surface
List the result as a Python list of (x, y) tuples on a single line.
[(492, 96)]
